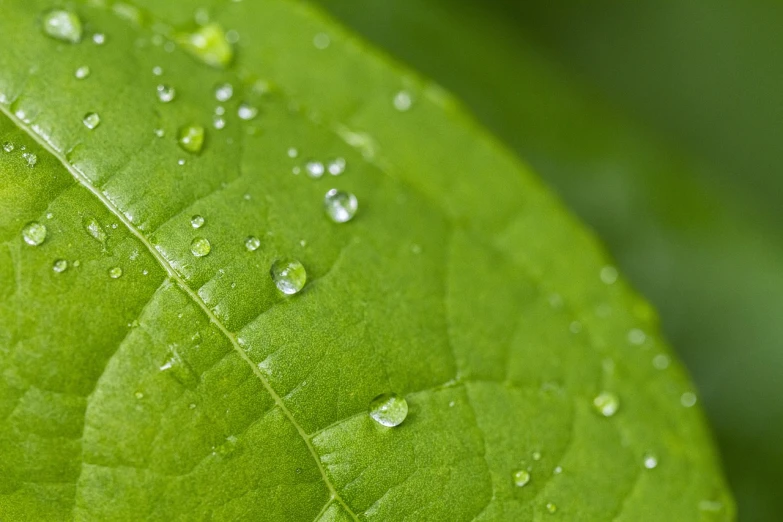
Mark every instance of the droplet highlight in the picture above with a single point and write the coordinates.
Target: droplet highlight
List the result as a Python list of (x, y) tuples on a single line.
[(247, 112), (63, 25), (82, 72), (224, 92), (403, 101), (191, 138), (606, 403), (165, 93), (288, 275), (336, 166), (340, 206), (650, 461), (389, 409), (200, 247)]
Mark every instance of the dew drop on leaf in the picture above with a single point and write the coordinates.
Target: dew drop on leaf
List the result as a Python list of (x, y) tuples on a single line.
[(336, 166), (558, 470), (340, 206), (403, 101), (609, 275), (34, 233), (191, 138), (63, 25), (224, 92), (115, 272), (293, 153), (82, 72), (661, 361), (200, 247), (247, 112), (288, 275), (550, 507), (30, 158), (521, 478), (60, 265), (209, 45), (315, 169), (91, 120), (637, 337), (95, 230), (157, 70), (650, 461), (688, 399), (606, 403), (197, 221), (166, 93), (8, 146), (99, 38), (252, 243), (218, 122), (389, 409)]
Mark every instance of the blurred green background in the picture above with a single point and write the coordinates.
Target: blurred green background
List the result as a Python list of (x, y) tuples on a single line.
[(659, 122)]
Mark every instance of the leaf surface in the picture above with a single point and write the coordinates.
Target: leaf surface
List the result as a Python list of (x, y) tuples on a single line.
[(189, 388)]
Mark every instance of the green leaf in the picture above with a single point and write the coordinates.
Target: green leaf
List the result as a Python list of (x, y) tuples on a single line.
[(160, 374)]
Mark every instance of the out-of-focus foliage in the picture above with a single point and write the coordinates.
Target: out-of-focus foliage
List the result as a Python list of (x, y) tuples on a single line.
[(685, 192)]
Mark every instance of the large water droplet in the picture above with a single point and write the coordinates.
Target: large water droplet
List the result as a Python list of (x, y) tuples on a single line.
[(63, 25), (606, 403), (336, 166), (60, 265), (247, 112), (91, 120), (650, 461), (34, 233), (197, 221), (82, 72), (340, 206), (252, 243), (521, 478), (389, 409), (166, 93), (224, 92), (191, 138), (288, 275), (200, 247), (208, 44), (115, 272)]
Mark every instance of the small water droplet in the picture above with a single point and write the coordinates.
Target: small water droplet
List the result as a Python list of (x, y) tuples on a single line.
[(606, 403), (91, 120), (636, 337), (95, 230), (208, 44), (191, 138), (49, 215), (247, 112), (8, 146), (166, 93), (115, 272), (688, 399), (551, 507), (192, 406), (296, 171), (200, 247), (30, 158), (157, 70), (82, 72), (403, 101), (99, 38), (63, 25), (34, 233), (159, 133), (558, 470), (536, 455), (224, 92), (288, 275), (218, 122), (650, 461), (661, 361), (389, 409), (321, 41), (293, 153), (340, 206), (197, 221), (138, 395), (336, 166), (76, 263), (521, 478), (609, 275), (315, 169), (252, 243), (180, 162), (60, 265)]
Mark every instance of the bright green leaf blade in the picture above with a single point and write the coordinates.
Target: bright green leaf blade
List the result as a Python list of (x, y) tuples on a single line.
[(188, 387)]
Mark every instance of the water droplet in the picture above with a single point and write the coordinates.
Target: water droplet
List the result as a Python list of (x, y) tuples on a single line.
[(91, 120), (336, 166), (247, 112), (138, 395), (606, 403), (650, 461), (521, 478), (321, 41), (403, 101), (63, 25), (661, 361), (76, 263), (191, 138), (688, 399), (252, 243), (166, 93), (637, 337), (8, 146), (115, 272), (296, 170), (180, 162), (315, 169), (293, 153), (60, 265), (224, 92), (82, 72), (159, 133), (95, 230), (99, 38), (558, 470), (200, 247), (609, 275), (218, 122), (389, 409), (197, 221), (551, 507), (208, 44), (157, 70), (288, 275), (536, 455), (30, 158), (34, 233), (340, 206)]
